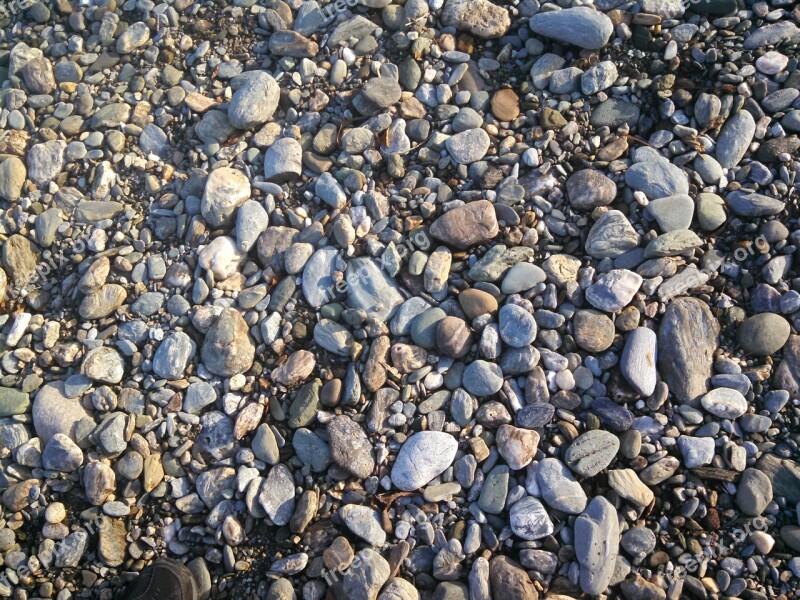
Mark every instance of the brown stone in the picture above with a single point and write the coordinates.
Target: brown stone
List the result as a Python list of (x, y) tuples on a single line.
[(453, 337), (475, 303), (509, 581), (505, 105), (468, 225)]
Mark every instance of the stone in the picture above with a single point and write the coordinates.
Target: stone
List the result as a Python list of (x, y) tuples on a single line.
[(657, 178), (423, 456), (509, 580), (468, 146), (371, 289), (482, 378), (687, 338), (580, 26), (478, 17), (226, 189), (614, 291), (255, 102), (53, 412), (591, 452), (598, 527), (735, 138), (753, 492), (638, 362), (283, 160), (366, 576), (611, 236), (696, 451), (227, 349), (350, 447), (672, 213), (12, 178), (763, 334), (588, 189), (365, 522), (277, 495), (558, 486), (517, 446), (469, 225), (628, 486), (173, 356), (529, 519), (725, 403)]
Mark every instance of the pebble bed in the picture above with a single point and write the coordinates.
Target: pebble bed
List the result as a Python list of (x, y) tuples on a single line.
[(385, 300)]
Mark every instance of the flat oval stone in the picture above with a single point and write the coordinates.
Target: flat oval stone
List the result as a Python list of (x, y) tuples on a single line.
[(423, 456), (592, 452), (725, 403)]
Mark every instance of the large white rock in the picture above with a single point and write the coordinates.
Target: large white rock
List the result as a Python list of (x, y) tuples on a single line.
[(639, 360), (424, 456), (226, 190)]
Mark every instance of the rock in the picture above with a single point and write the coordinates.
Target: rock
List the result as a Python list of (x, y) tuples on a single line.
[(687, 339), (581, 26), (529, 519), (657, 178), (222, 257), (735, 138), (12, 178), (517, 446), (377, 94), (505, 105), (599, 77), (638, 362), (753, 492), (226, 190), (103, 302), (725, 403), (763, 334), (593, 330), (453, 337), (469, 225), (297, 368), (62, 454), (251, 221), (482, 378), (104, 365), (173, 356), (364, 522), (255, 102), (672, 213), (522, 277), (475, 302), (614, 291), (587, 189), (478, 17), (517, 326), (227, 349), (53, 412), (45, 161), (283, 160), (710, 211), (598, 527), (591, 452), (277, 495), (558, 487), (615, 112), (371, 289), (748, 204), (696, 451), (13, 402), (318, 284), (611, 236), (468, 146), (509, 580), (628, 486), (423, 456), (133, 38), (350, 447), (366, 576)]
